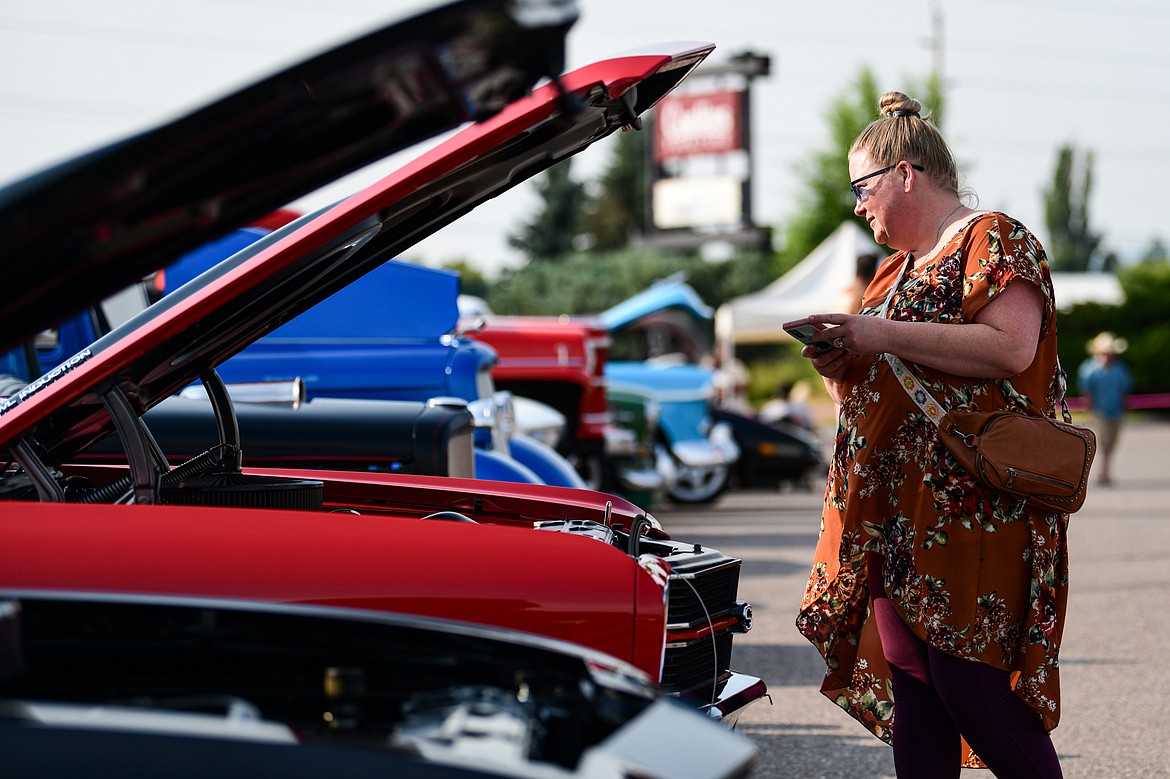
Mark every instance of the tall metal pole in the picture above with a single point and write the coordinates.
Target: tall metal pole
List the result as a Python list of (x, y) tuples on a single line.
[(937, 43)]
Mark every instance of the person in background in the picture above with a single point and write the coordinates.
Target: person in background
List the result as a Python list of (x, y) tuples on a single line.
[(866, 268), (937, 602), (790, 405), (1105, 381), (730, 379)]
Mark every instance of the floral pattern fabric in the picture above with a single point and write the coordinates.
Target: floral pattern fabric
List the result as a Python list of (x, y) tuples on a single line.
[(974, 573)]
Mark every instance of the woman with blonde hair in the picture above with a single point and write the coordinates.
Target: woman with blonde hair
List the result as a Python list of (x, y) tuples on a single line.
[(929, 588)]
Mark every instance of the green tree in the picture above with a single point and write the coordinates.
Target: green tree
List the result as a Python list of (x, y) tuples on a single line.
[(1072, 245), (1140, 318), (581, 283), (554, 230), (590, 282), (618, 211), (472, 280), (1156, 252), (826, 201)]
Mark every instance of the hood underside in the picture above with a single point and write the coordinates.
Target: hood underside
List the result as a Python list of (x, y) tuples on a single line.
[(80, 231), (219, 313)]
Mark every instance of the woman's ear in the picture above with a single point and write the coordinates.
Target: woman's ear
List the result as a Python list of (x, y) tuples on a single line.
[(907, 175)]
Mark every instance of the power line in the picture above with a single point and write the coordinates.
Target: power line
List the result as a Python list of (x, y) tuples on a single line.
[(1136, 9), (149, 37)]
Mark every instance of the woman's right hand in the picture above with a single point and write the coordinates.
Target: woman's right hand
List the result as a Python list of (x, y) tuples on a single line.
[(831, 364)]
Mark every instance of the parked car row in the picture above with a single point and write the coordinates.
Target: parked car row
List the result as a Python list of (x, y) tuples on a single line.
[(561, 361), (644, 420), (389, 336), (645, 426), (199, 607), (663, 346)]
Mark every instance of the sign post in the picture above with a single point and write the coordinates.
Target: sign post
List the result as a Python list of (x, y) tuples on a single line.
[(699, 161)]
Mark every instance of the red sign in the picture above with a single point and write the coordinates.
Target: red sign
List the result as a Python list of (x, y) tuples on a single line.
[(686, 125)]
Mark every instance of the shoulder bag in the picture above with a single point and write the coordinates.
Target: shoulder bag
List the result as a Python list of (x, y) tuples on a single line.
[(1034, 457)]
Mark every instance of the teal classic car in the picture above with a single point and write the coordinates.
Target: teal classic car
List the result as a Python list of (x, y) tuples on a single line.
[(661, 351)]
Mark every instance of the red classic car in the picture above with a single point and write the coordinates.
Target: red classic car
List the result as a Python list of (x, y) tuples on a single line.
[(570, 564), (559, 361)]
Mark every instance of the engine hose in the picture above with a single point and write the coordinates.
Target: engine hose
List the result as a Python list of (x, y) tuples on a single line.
[(635, 546), (196, 466)]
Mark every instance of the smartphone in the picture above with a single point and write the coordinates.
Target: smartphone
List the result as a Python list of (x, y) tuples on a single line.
[(807, 333)]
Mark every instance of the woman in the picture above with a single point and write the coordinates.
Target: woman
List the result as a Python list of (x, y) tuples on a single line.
[(966, 587)]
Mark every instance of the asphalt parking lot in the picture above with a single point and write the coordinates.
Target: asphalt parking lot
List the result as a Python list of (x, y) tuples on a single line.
[(1115, 714)]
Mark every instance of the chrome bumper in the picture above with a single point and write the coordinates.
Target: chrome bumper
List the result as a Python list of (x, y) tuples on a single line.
[(640, 479), (718, 448), (735, 694)]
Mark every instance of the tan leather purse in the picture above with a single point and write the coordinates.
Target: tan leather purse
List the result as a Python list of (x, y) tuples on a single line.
[(1033, 457), (1043, 460)]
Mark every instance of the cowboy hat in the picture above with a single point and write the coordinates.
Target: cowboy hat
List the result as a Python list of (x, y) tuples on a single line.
[(1106, 343)]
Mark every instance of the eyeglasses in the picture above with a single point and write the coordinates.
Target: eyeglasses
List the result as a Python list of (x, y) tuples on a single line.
[(861, 192)]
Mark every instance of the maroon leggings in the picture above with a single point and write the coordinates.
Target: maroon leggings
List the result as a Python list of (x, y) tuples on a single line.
[(940, 696)]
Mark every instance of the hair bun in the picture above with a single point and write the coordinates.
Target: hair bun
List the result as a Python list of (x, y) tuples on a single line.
[(898, 104)]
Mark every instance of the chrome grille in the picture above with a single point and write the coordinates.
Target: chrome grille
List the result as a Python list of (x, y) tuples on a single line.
[(703, 588), (714, 588), (689, 670)]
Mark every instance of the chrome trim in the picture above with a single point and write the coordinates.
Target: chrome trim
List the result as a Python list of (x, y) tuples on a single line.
[(737, 693), (620, 442), (699, 453)]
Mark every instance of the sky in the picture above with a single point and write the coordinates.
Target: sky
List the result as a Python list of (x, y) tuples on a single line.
[(1022, 78)]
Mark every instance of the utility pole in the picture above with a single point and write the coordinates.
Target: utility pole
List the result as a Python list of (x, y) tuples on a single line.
[(937, 43)]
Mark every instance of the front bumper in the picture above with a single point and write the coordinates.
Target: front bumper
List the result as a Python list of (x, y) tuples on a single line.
[(719, 448), (733, 696), (640, 479)]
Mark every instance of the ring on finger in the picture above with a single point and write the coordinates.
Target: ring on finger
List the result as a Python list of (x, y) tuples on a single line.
[(839, 343)]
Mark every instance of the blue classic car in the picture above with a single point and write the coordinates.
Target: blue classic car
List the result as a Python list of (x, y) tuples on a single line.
[(388, 336), (703, 450), (411, 437)]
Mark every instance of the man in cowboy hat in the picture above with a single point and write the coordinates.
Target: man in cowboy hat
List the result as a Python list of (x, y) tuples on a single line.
[(1105, 381)]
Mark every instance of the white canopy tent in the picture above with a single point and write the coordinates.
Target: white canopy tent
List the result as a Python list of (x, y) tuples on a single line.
[(1073, 288), (817, 285)]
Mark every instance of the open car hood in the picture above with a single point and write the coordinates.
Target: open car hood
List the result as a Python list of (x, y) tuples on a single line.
[(247, 296), (80, 231)]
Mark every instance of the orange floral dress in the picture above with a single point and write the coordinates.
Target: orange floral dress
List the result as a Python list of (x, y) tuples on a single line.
[(974, 573)]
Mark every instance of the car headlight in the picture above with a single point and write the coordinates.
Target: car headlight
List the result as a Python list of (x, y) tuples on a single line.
[(539, 420), (505, 413), (497, 414)]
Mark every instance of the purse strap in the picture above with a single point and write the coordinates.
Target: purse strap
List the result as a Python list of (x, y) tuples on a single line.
[(915, 389), (918, 392), (906, 378)]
